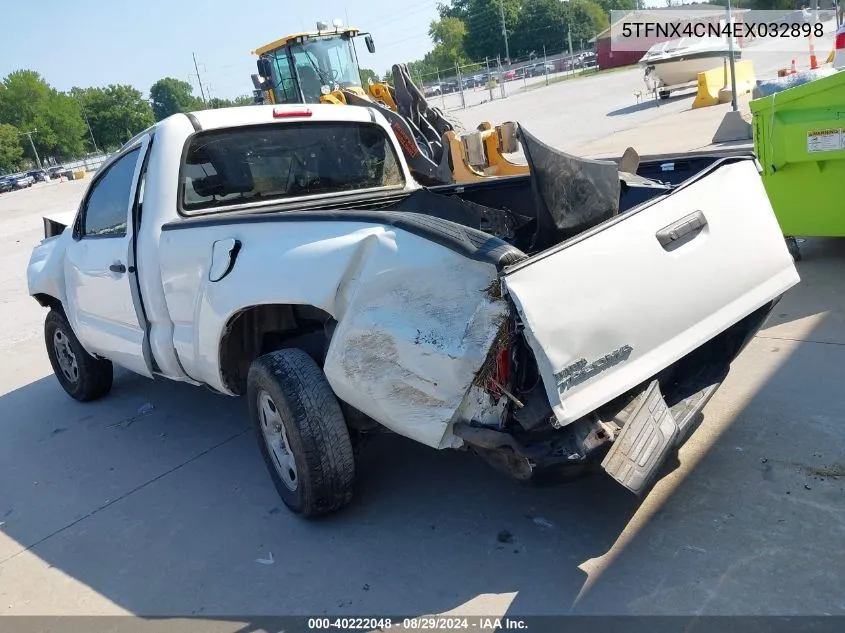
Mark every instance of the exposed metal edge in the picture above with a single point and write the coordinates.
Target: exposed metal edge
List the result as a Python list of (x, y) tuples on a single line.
[(194, 122)]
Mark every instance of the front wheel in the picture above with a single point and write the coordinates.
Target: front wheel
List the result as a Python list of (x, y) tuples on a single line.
[(301, 432), (81, 375)]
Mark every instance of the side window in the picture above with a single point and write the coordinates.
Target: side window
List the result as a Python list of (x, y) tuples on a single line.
[(283, 79), (107, 207)]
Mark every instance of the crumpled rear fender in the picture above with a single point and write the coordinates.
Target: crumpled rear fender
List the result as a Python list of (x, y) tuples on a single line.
[(415, 317)]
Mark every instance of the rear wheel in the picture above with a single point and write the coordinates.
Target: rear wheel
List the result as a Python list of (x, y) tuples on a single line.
[(663, 94), (301, 432), (81, 375), (794, 248)]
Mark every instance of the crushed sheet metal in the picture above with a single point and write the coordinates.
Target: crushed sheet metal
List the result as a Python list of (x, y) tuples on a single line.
[(412, 338)]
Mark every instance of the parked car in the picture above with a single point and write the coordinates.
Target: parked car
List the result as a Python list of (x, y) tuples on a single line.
[(449, 87), (7, 184), (39, 175), (60, 172), (347, 299), (509, 75), (22, 181), (432, 91), (541, 69)]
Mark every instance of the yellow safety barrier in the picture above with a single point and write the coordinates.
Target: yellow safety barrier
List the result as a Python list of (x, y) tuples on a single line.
[(714, 85), (78, 175)]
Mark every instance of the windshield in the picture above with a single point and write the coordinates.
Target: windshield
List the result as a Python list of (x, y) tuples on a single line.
[(272, 162), (328, 62)]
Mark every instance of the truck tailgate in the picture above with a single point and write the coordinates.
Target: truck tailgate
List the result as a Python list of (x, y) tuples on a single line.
[(612, 307)]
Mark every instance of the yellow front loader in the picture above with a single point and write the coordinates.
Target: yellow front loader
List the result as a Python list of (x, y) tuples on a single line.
[(322, 67)]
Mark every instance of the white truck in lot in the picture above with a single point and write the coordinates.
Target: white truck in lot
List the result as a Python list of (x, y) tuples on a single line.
[(579, 315)]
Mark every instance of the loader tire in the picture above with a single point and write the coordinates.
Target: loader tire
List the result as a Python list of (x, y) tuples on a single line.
[(82, 376), (301, 432)]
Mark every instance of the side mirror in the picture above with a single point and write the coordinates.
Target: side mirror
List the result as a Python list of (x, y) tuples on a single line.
[(371, 46), (264, 67)]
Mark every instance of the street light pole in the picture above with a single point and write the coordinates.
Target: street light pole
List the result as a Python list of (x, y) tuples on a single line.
[(88, 123), (731, 57), (505, 32), (733, 127), (34, 151)]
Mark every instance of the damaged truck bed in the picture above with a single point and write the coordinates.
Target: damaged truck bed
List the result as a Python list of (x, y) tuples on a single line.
[(581, 314)]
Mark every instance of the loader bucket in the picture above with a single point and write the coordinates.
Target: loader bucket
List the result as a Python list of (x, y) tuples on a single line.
[(571, 194)]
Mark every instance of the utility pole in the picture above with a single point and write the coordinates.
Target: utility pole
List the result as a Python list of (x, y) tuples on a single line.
[(489, 78), (505, 31), (731, 60), (199, 80), (569, 39), (813, 62), (545, 67), (34, 151), (440, 88), (90, 131)]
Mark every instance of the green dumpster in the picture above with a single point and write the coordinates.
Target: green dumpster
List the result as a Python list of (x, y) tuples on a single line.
[(799, 138)]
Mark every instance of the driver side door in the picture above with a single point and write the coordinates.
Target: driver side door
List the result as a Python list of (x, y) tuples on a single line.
[(104, 305)]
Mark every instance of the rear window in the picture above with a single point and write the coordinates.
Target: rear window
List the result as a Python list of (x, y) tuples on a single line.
[(274, 162)]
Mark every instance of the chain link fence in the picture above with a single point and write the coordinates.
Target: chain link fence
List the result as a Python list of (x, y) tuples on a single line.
[(467, 85), (89, 163)]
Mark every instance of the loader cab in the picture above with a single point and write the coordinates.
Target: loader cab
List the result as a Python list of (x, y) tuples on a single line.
[(303, 67)]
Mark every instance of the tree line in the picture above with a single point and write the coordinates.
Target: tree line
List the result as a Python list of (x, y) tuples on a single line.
[(471, 30), (65, 125)]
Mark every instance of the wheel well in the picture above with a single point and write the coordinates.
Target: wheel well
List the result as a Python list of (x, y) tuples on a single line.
[(48, 301), (265, 328)]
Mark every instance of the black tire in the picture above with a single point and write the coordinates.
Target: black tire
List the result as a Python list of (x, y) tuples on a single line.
[(312, 432), (81, 375), (794, 248), (663, 94)]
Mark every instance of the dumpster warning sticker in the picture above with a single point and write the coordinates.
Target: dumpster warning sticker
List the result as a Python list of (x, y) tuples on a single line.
[(825, 140)]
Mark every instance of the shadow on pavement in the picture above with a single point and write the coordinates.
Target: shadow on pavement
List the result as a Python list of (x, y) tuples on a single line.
[(170, 512), (747, 530), (648, 102)]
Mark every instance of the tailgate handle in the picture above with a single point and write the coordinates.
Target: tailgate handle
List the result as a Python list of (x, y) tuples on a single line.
[(682, 231)]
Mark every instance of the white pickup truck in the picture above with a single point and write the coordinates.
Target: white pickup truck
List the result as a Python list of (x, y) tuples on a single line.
[(576, 316)]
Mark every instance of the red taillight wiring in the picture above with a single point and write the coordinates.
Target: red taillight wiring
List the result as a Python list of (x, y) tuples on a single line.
[(502, 372)]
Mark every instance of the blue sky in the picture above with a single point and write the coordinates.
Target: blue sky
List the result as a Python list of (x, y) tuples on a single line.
[(99, 42)]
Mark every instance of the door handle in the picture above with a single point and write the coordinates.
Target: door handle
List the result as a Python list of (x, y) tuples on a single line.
[(117, 268), (682, 231)]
